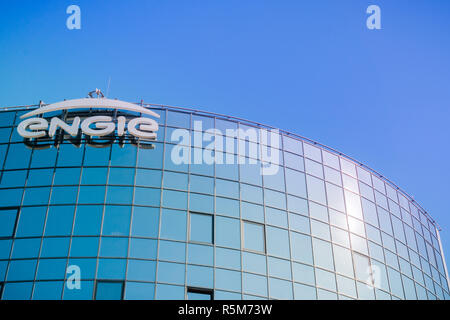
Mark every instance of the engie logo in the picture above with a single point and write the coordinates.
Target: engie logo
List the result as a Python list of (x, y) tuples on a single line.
[(95, 126)]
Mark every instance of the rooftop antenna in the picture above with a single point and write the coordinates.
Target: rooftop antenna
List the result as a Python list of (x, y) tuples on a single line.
[(107, 90)]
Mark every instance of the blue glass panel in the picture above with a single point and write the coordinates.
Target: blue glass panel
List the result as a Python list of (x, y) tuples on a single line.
[(143, 248), (139, 291), (11, 179), (96, 156), (148, 178), (280, 289), (147, 197), (51, 269), (5, 249), (109, 290), (26, 248), (111, 268), (228, 280), (84, 293), (254, 284), (124, 156), (67, 176), (301, 248), (140, 270), (10, 197), (253, 236), (87, 267), (227, 232), (119, 195), (7, 222), (88, 220), (31, 222), (202, 277), (175, 199), (94, 175), (201, 184), (91, 195), (200, 254), (36, 196), (201, 203), (151, 158), (172, 251), (21, 270), (228, 258), (145, 222), (121, 176), (43, 158), (277, 242), (169, 292), (18, 156), (64, 195), (227, 207), (17, 291), (173, 224), (55, 247), (117, 221), (59, 220), (201, 227), (113, 247), (40, 177), (171, 272), (70, 155), (302, 292), (255, 263)]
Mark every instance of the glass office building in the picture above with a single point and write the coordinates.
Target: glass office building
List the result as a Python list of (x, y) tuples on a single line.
[(119, 218)]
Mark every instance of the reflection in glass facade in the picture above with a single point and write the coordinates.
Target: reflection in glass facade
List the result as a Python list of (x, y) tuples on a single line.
[(137, 225)]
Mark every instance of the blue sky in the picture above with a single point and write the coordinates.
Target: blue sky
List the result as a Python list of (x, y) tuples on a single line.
[(310, 67)]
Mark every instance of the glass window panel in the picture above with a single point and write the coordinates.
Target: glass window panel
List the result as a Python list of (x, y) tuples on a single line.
[(172, 273), (277, 242), (121, 176), (364, 176), (227, 188), (385, 221), (178, 119), (335, 197), (338, 219), (175, 199), (123, 155), (280, 289), (173, 225), (227, 207), (169, 292), (148, 178), (173, 180), (91, 195), (295, 183), (151, 158), (293, 161), (253, 236), (139, 291), (251, 193), (316, 190), (348, 167), (292, 145), (228, 258), (11, 179), (318, 212), (10, 197), (362, 271), (143, 248), (31, 222), (314, 168), (88, 220), (140, 270), (395, 282), (297, 205), (201, 277), (51, 269), (346, 286), (378, 184), (40, 177), (55, 247), (96, 156), (199, 295), (201, 203), (228, 170), (343, 261), (43, 158), (255, 263), (202, 184), (116, 221), (276, 217), (302, 292), (21, 270), (113, 269), (358, 244), (67, 176), (301, 248), (17, 291), (227, 232), (172, 251), (70, 155), (275, 199), (200, 254), (254, 284), (323, 256), (59, 221), (325, 279), (201, 228), (279, 268), (36, 196), (275, 181), (356, 226), (331, 160), (249, 172), (145, 222), (113, 247), (227, 280), (119, 195), (353, 204), (64, 195), (350, 183), (320, 230), (18, 157), (25, 248), (333, 176), (303, 273), (106, 290), (7, 222), (366, 191), (147, 197), (252, 212), (176, 157), (312, 152), (370, 213), (84, 247), (340, 236), (299, 223)]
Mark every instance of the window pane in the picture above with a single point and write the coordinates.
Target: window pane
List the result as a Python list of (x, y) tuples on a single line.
[(201, 228), (109, 290), (253, 236), (7, 222)]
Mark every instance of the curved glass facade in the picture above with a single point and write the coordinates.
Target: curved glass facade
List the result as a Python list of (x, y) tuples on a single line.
[(134, 220)]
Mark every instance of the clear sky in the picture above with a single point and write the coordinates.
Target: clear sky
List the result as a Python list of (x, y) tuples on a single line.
[(310, 67)]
